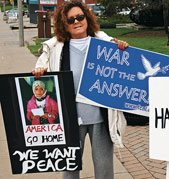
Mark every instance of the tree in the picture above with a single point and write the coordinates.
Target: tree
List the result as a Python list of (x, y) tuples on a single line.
[(111, 7), (165, 17), (148, 3)]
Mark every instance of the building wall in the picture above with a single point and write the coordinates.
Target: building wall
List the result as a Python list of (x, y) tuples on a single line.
[(90, 2), (85, 1), (59, 2)]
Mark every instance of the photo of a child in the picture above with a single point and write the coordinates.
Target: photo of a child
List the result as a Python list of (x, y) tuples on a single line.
[(41, 108)]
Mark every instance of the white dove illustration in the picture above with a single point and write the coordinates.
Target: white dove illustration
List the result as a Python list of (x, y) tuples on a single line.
[(151, 71)]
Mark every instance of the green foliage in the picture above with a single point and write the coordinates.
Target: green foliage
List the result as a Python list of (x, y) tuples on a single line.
[(112, 6), (35, 48), (149, 2), (118, 32), (8, 6), (155, 44)]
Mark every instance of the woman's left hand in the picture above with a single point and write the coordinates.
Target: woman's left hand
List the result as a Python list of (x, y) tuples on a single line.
[(121, 44)]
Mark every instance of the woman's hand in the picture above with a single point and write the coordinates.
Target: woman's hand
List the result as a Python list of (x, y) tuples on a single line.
[(34, 117), (45, 116), (38, 72), (121, 44)]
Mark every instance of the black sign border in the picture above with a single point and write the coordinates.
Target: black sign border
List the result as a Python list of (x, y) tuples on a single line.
[(12, 117)]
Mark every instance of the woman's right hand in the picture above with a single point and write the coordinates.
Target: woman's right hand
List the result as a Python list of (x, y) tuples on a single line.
[(38, 72), (34, 117)]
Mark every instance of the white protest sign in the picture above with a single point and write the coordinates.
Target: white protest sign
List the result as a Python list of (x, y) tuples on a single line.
[(159, 119)]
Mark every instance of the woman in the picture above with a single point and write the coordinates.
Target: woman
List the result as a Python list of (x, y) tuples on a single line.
[(74, 25), (41, 100)]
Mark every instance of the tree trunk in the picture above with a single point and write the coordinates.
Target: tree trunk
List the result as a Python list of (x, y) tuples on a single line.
[(133, 3), (165, 17)]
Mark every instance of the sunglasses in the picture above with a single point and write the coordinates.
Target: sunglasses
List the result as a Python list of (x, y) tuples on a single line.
[(71, 20)]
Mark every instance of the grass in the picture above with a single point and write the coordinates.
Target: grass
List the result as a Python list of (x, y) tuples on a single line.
[(35, 48), (9, 7), (115, 19), (118, 32), (155, 44)]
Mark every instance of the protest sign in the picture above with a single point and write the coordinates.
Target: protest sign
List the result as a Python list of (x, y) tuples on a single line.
[(41, 122), (118, 79), (159, 119)]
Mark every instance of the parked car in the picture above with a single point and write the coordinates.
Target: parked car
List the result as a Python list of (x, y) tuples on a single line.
[(12, 15), (14, 10), (97, 9), (124, 11), (149, 15)]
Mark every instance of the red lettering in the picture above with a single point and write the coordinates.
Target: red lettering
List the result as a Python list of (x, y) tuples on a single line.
[(28, 129), (59, 127), (56, 129), (43, 128), (36, 128), (33, 128)]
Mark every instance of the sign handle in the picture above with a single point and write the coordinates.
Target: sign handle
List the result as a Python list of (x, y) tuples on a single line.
[(167, 171)]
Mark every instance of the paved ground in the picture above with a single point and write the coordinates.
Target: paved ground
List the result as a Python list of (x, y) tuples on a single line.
[(15, 59), (135, 154), (134, 161)]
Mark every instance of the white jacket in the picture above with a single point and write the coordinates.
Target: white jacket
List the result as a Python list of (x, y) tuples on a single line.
[(51, 58)]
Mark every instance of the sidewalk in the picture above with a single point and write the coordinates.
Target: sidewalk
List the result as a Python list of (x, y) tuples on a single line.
[(135, 155), (15, 59)]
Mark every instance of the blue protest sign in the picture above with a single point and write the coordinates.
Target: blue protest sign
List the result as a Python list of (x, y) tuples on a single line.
[(118, 79)]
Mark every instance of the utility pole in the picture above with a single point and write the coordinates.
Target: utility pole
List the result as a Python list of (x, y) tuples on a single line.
[(13, 4), (4, 5), (20, 23)]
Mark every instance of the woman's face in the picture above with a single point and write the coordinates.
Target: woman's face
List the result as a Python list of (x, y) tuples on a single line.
[(39, 91), (78, 29)]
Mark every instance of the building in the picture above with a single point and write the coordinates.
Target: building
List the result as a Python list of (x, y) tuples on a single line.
[(51, 5), (36, 6)]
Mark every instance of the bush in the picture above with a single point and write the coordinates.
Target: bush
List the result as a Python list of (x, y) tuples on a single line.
[(150, 16)]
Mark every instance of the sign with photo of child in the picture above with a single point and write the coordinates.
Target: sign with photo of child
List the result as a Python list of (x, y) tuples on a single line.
[(41, 122)]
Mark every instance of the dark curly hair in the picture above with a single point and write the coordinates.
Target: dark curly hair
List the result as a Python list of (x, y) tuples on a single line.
[(60, 20)]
